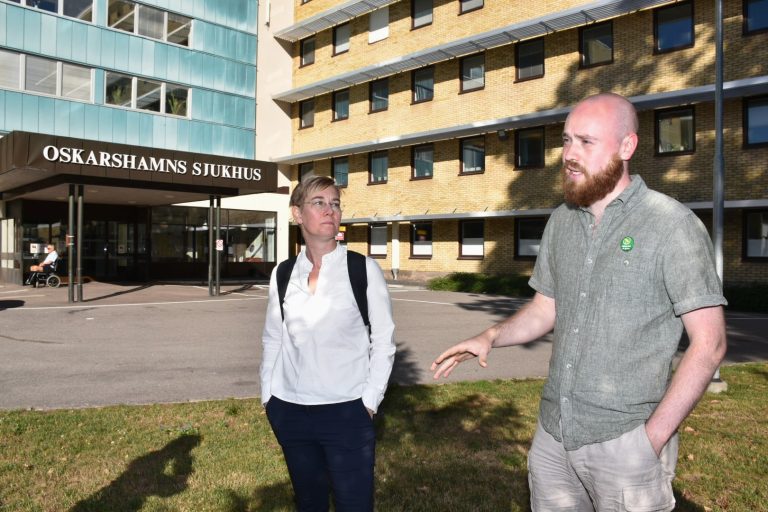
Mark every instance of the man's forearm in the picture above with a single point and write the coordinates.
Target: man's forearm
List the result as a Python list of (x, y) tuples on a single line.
[(532, 321)]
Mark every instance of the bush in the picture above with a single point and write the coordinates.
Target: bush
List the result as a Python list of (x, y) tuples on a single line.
[(752, 298), (511, 285)]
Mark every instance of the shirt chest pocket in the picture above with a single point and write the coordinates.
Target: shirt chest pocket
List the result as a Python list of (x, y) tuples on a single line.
[(630, 279)]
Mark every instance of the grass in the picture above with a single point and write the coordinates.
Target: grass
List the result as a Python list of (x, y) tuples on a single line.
[(452, 447)]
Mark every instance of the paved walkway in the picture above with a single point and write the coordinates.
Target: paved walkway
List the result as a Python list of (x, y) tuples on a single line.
[(169, 342)]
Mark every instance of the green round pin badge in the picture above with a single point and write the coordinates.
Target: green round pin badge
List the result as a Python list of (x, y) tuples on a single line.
[(627, 243)]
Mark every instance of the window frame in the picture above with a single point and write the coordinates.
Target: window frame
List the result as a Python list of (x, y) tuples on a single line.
[(336, 29), (746, 213), (462, 166), (462, 80), (517, 59), (136, 25), (746, 104), (334, 98), (657, 12), (414, 149), (371, 86), (582, 55), (413, 85), (302, 124), (745, 30), (375, 33), (462, 224), (518, 228), (518, 156), (415, 226), (413, 14), (371, 227), (334, 174), (463, 10), (371, 156), (302, 61), (667, 113), (305, 169), (59, 9)]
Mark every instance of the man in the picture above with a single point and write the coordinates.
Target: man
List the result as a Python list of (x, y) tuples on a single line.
[(50, 259), (621, 270)]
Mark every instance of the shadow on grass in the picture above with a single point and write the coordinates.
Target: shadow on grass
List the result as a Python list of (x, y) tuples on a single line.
[(162, 473)]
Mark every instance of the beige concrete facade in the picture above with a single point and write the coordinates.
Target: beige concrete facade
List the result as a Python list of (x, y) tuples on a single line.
[(504, 193)]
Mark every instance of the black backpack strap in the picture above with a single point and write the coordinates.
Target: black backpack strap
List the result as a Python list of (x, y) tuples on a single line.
[(358, 277), (283, 275)]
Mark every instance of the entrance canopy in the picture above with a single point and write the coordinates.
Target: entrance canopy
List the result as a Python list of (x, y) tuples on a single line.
[(40, 167)]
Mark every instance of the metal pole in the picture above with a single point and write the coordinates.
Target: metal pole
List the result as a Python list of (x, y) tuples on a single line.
[(218, 253), (211, 247), (79, 242), (718, 171), (71, 246)]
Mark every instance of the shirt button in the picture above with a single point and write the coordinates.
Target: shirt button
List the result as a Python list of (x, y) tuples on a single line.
[(582, 295), (565, 399), (576, 330), (589, 260), (569, 366)]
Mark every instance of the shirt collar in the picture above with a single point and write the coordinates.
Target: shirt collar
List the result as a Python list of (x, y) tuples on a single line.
[(339, 252)]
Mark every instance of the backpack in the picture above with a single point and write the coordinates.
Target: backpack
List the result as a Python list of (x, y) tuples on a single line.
[(358, 277)]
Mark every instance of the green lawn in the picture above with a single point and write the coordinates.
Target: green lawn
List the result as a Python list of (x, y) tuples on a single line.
[(452, 447)]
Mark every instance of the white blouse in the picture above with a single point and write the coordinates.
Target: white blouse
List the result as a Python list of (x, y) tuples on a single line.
[(321, 353)]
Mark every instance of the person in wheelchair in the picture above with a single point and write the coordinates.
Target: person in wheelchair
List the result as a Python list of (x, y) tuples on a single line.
[(40, 271)]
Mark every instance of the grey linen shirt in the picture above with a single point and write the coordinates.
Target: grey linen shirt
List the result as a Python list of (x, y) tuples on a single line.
[(619, 290)]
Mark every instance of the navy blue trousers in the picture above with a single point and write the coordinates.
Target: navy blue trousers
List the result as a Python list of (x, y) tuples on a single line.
[(327, 448)]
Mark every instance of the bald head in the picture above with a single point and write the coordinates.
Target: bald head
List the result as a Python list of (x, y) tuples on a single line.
[(612, 108)]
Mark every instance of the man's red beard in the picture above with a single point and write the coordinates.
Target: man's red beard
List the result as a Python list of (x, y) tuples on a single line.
[(595, 186)]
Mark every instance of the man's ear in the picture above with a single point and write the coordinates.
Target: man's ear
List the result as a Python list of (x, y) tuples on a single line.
[(628, 146)]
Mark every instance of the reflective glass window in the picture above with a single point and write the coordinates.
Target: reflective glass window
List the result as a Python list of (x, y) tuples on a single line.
[(9, 69), (80, 9), (673, 27), (148, 95), (341, 171), (306, 170), (470, 5), (377, 240), (44, 5), (675, 131), (473, 155), (529, 147), (341, 35), (379, 163), (755, 16), (530, 59), (308, 51), (423, 84), (176, 100), (472, 238), (423, 161), (75, 82), (528, 235), (121, 15), (119, 89), (179, 28), (40, 75), (421, 239), (421, 13), (151, 22), (307, 113), (757, 234), (341, 105), (379, 95), (596, 44), (473, 72), (756, 121)]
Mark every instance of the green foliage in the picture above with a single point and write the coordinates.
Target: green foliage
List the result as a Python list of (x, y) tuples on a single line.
[(752, 298), (510, 285)]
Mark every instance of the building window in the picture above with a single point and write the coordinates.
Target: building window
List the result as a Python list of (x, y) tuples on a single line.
[(755, 16), (596, 44), (148, 94), (756, 121), (423, 161), (528, 234), (307, 113), (472, 238), (379, 165), (421, 13), (421, 240), (119, 90), (529, 148), (40, 75), (132, 92), (377, 240), (673, 27), (341, 105), (529, 59), (306, 170), (149, 21), (75, 82), (756, 224), (10, 70), (176, 100), (470, 5), (80, 9), (473, 72), (473, 155), (423, 81), (307, 51), (379, 95), (675, 131), (378, 25), (341, 38), (341, 171)]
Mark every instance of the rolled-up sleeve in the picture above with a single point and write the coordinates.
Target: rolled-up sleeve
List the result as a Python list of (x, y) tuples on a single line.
[(382, 336), (271, 339)]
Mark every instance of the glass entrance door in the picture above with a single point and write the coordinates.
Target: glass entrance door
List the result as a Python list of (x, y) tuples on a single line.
[(114, 250)]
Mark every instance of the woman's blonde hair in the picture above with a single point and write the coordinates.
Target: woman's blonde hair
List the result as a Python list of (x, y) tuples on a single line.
[(309, 186)]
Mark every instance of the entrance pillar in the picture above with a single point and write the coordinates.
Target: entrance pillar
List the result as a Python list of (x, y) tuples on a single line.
[(79, 242), (218, 253), (211, 247), (71, 246)]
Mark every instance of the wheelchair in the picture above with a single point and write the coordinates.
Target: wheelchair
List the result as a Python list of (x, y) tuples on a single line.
[(50, 279)]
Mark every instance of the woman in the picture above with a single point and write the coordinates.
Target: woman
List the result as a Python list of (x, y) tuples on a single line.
[(323, 375)]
